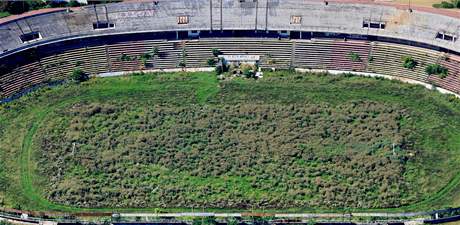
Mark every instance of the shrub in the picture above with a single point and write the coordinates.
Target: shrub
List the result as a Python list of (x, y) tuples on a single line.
[(143, 60), (348, 74), (2, 222), (4, 14), (409, 62), (73, 3), (125, 57), (17, 7), (248, 70), (79, 75), (211, 62), (144, 57), (269, 59), (216, 52), (457, 4), (354, 57), (436, 69), (156, 51), (219, 69), (148, 55), (444, 4), (204, 221), (370, 59)]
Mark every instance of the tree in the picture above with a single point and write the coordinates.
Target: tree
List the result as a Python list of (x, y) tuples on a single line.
[(457, 3), (79, 75), (34, 5), (183, 63), (3, 6), (409, 62), (17, 7), (73, 3), (216, 52)]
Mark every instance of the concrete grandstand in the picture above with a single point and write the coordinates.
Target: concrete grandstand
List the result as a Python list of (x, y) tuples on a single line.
[(286, 34)]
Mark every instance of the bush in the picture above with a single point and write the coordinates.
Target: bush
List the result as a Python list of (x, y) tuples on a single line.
[(204, 221), (18, 7), (125, 57), (444, 4), (73, 3), (437, 69), (248, 70), (354, 57), (409, 62), (448, 5), (79, 75)]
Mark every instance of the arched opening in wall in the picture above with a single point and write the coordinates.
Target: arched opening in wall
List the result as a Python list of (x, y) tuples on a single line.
[(296, 35)]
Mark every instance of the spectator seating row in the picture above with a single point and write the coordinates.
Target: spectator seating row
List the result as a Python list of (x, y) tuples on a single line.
[(332, 55), (48, 64)]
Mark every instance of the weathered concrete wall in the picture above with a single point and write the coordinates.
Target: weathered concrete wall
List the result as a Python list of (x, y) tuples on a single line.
[(206, 14)]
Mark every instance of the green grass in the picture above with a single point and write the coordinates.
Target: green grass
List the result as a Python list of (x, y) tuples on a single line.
[(4, 14), (436, 119)]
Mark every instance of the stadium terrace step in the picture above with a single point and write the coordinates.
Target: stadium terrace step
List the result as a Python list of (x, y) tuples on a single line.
[(50, 64)]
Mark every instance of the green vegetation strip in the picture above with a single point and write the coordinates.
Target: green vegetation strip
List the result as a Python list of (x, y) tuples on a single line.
[(425, 157)]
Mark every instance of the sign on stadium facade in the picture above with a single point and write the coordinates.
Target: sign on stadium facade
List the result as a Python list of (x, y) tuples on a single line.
[(240, 58)]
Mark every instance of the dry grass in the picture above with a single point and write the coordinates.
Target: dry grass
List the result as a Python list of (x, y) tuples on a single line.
[(434, 116), (452, 223)]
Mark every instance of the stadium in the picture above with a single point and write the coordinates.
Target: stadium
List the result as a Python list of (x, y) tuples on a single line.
[(231, 112)]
